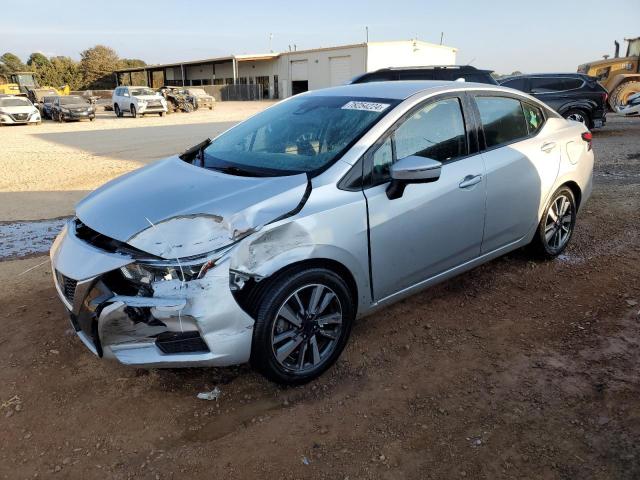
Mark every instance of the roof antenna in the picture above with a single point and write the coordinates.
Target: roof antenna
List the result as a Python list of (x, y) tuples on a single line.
[(366, 29), (471, 61), (270, 39)]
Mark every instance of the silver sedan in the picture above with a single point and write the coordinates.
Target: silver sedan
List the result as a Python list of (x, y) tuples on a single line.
[(267, 242)]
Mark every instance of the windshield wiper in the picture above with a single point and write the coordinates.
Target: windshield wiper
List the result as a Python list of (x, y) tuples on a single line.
[(241, 172)]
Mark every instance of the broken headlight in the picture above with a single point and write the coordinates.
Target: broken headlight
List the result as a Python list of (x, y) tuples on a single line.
[(148, 274)]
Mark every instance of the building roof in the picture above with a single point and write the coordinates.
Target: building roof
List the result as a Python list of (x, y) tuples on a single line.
[(268, 56)]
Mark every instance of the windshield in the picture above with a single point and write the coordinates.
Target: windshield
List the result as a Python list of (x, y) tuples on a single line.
[(25, 79), (197, 92), (14, 102), (141, 91), (303, 134), (49, 99), (634, 48), (72, 100)]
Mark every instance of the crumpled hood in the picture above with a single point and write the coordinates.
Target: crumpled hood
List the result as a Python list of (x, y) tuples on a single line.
[(173, 209)]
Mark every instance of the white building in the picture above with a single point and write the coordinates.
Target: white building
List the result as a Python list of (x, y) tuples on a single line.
[(285, 74)]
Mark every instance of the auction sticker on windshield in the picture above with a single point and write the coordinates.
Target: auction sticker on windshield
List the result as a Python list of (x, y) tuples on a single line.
[(367, 106)]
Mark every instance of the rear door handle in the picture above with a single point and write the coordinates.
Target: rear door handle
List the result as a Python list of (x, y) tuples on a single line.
[(470, 181), (548, 146)]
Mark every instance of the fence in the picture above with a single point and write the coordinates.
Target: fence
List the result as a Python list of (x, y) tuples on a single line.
[(241, 92)]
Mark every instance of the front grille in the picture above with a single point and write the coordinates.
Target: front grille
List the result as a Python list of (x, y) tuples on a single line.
[(154, 103), (20, 116), (67, 286)]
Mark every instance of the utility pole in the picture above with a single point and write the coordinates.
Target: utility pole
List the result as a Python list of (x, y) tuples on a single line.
[(441, 37), (270, 39), (367, 34)]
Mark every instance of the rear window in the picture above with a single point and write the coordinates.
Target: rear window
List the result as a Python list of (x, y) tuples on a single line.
[(502, 120)]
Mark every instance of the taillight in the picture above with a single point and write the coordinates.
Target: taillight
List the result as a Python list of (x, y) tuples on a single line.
[(587, 137)]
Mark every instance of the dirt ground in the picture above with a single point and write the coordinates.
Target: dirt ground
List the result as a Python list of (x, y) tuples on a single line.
[(519, 369)]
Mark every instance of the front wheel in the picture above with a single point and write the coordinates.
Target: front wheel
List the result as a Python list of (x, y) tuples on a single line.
[(161, 114), (116, 110), (133, 111), (302, 324), (557, 224)]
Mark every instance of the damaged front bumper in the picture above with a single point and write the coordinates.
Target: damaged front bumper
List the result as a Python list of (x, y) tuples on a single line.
[(168, 323)]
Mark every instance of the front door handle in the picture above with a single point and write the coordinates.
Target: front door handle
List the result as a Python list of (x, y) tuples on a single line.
[(470, 181), (548, 146)]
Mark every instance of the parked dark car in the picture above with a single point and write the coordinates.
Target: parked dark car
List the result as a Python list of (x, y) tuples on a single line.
[(72, 107), (46, 107), (573, 95), (433, 72)]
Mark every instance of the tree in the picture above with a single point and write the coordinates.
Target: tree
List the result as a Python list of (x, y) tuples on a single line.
[(97, 65), (38, 61), (63, 71), (11, 63)]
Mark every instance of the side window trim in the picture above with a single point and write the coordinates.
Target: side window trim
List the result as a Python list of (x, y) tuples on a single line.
[(473, 146)]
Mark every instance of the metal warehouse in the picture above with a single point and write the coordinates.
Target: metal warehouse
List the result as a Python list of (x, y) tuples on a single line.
[(280, 75)]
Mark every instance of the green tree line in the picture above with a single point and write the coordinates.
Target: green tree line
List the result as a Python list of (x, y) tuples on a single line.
[(93, 71)]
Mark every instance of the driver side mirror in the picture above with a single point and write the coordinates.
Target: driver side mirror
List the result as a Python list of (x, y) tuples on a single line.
[(412, 169)]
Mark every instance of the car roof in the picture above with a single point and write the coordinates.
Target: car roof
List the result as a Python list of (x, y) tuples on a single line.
[(461, 68), (398, 89)]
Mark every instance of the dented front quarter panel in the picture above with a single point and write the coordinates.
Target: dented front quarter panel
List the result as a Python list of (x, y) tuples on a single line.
[(332, 225)]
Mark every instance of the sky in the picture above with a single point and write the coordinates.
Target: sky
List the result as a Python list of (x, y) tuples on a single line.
[(505, 36)]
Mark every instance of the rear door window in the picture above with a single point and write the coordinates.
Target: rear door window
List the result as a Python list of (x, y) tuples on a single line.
[(502, 120), (547, 85)]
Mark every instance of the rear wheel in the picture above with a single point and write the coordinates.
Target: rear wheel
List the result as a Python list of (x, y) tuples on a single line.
[(620, 95), (557, 224), (302, 324), (578, 115)]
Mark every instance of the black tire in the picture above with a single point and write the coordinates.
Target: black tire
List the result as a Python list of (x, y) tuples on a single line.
[(60, 117), (547, 242), (91, 119), (622, 92), (116, 110), (273, 298), (579, 115), (132, 109), (161, 114)]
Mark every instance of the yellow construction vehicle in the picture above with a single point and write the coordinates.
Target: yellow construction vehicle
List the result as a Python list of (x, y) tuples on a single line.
[(21, 83), (619, 75)]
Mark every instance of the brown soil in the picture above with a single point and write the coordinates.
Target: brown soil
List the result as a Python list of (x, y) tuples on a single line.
[(518, 369)]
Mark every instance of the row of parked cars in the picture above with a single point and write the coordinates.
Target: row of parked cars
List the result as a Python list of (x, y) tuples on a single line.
[(575, 96), (135, 101), (20, 110)]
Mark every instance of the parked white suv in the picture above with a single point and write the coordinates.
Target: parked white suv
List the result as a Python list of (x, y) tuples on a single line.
[(137, 101)]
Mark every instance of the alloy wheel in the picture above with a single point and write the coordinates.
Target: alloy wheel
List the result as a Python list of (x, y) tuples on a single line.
[(307, 328), (558, 223), (578, 117)]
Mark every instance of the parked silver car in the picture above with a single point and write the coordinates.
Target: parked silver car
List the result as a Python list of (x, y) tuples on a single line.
[(265, 244)]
